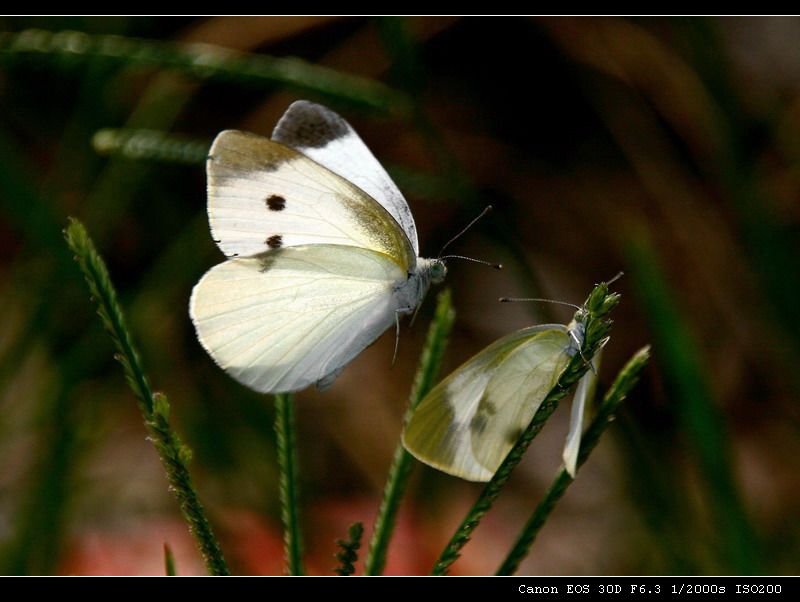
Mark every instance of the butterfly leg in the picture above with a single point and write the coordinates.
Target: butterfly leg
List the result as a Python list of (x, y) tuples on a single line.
[(416, 311), (397, 312), (579, 344), (599, 349)]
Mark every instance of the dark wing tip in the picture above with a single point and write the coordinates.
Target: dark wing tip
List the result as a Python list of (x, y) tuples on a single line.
[(309, 125)]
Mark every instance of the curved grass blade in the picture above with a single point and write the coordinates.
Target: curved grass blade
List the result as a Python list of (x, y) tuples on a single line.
[(151, 145), (738, 544), (201, 61), (154, 406), (169, 562)]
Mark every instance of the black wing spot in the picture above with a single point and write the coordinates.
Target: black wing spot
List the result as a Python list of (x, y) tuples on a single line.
[(276, 202), (489, 408), (275, 241), (513, 436), (478, 424)]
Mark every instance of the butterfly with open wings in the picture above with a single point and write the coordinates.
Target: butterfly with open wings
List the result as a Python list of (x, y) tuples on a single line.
[(322, 252)]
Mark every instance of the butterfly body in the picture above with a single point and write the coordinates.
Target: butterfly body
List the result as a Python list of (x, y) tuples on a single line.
[(322, 253), (409, 292)]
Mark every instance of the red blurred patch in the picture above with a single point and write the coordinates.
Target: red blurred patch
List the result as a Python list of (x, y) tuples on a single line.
[(136, 549)]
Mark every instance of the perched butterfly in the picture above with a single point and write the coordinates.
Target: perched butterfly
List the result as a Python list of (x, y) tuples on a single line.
[(322, 252), (470, 421)]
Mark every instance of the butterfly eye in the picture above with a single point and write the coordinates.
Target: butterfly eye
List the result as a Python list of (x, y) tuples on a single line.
[(438, 271)]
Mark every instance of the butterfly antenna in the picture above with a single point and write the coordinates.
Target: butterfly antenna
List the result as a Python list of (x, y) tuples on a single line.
[(515, 299), (496, 266), (469, 225)]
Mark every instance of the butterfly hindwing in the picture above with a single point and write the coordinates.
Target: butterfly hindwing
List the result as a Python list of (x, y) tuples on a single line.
[(282, 320), (464, 410), (584, 392), (328, 139), (263, 196)]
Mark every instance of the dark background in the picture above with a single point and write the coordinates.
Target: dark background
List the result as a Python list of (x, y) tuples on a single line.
[(668, 148)]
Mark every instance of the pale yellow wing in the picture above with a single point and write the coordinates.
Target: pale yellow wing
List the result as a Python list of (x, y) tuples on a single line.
[(514, 393), (263, 196), (283, 320), (460, 410)]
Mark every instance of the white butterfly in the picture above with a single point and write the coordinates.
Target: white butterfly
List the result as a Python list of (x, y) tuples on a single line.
[(470, 421), (322, 248)]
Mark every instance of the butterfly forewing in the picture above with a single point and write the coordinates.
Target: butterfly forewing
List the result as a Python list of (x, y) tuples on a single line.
[(328, 139), (265, 196)]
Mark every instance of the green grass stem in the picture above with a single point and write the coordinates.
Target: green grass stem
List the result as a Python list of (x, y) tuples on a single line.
[(154, 406), (402, 462), (625, 381), (348, 552), (289, 486)]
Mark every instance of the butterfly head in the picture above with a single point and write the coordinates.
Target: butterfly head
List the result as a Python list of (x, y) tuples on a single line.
[(437, 270), (580, 317)]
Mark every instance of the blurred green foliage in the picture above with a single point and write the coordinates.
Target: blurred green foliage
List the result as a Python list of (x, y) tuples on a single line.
[(664, 147)]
